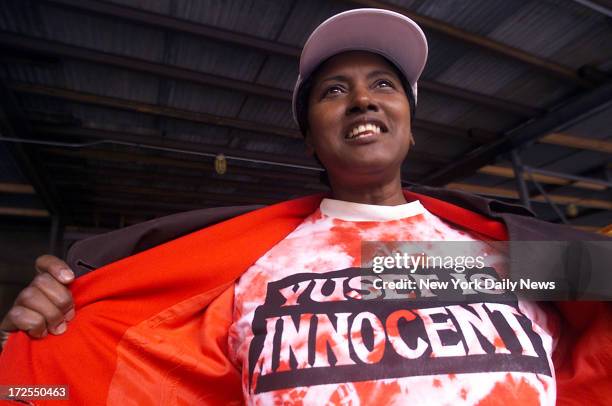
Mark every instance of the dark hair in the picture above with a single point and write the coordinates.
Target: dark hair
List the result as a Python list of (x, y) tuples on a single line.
[(301, 104)]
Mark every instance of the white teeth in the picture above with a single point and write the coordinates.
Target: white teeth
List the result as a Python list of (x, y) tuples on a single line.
[(363, 128)]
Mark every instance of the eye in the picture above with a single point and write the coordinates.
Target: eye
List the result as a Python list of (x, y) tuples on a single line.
[(332, 91), (384, 83)]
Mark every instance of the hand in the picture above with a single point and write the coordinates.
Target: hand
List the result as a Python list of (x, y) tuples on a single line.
[(45, 305)]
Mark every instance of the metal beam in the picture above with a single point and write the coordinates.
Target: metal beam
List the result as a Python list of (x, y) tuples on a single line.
[(12, 122), (156, 20), (148, 193), (155, 190), (513, 194), (467, 37), (548, 199), (472, 135), (172, 23), (593, 5), (293, 184), (144, 159), (551, 189), (77, 173), (146, 108), (137, 200), (56, 236), (496, 103), (520, 180), (47, 47), (124, 201), (100, 133), (205, 118), (37, 45), (572, 112)]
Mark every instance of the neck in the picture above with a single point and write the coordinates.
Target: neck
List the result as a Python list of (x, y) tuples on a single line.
[(378, 193)]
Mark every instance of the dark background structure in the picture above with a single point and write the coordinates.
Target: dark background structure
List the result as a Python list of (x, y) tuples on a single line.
[(112, 112)]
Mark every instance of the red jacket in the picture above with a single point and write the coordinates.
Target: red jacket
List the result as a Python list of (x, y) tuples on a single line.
[(152, 328)]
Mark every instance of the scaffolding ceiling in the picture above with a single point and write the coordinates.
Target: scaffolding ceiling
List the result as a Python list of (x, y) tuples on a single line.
[(126, 103)]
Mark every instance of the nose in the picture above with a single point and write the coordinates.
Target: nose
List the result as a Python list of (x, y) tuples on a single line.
[(361, 101)]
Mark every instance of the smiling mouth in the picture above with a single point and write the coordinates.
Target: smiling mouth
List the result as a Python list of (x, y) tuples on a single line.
[(363, 131)]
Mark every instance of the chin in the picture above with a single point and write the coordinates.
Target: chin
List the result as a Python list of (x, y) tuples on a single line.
[(368, 169), (370, 163)]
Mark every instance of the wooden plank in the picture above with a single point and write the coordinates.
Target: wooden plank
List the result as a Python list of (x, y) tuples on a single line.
[(17, 188), (532, 131), (507, 172), (14, 124), (572, 141), (591, 229), (23, 212)]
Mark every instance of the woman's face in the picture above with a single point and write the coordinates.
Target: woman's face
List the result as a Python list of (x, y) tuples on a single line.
[(359, 118)]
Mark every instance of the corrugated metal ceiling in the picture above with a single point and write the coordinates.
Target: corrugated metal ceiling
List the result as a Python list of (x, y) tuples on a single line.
[(560, 31)]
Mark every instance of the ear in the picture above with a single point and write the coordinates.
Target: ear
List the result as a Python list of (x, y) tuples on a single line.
[(412, 141)]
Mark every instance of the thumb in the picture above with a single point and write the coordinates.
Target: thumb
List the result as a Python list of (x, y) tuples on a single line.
[(54, 266)]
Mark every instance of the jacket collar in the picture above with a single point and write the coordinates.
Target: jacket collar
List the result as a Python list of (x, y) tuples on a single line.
[(482, 205)]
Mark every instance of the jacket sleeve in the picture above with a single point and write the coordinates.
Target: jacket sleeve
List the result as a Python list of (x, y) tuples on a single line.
[(153, 326), (583, 358), (177, 356)]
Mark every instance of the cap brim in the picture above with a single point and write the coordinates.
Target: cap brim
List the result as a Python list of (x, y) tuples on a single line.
[(390, 34)]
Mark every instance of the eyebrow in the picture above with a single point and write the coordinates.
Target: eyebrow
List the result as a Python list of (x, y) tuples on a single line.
[(380, 72), (342, 78)]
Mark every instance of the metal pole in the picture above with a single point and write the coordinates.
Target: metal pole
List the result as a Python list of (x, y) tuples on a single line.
[(56, 236), (574, 111), (568, 176), (520, 180), (597, 7), (545, 195)]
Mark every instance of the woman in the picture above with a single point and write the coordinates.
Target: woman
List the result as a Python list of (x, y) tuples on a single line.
[(302, 323)]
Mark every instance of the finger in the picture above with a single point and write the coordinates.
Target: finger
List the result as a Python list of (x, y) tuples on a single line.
[(57, 293), (34, 299), (21, 318), (7, 323), (54, 266)]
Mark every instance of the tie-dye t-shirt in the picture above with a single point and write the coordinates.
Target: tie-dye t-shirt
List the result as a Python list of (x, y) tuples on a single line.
[(309, 328)]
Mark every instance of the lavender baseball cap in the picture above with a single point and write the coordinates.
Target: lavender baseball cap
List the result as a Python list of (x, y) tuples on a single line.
[(384, 32)]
